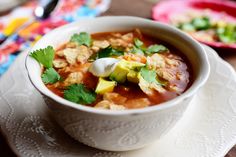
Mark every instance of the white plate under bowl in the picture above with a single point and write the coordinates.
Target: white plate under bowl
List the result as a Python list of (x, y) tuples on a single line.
[(207, 129)]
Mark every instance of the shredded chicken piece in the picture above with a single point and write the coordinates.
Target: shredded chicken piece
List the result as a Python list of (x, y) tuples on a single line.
[(84, 54), (60, 53), (182, 76), (84, 68), (59, 63), (71, 45), (56, 85), (150, 88), (105, 104), (129, 37), (156, 61), (71, 55), (173, 62), (175, 88), (135, 57), (117, 42), (115, 98), (138, 103), (101, 43), (117, 107), (95, 49), (117, 35), (64, 70), (75, 77), (138, 32), (167, 74)]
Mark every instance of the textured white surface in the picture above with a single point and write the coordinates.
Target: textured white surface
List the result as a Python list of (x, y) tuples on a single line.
[(207, 129)]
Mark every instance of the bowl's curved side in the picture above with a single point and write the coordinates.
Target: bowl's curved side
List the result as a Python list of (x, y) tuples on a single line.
[(120, 130), (116, 133)]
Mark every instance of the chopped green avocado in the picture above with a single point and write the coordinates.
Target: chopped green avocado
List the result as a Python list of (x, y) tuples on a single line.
[(132, 76), (104, 86), (132, 65), (122, 70), (119, 74)]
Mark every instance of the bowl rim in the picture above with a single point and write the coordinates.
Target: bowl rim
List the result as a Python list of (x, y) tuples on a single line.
[(199, 82)]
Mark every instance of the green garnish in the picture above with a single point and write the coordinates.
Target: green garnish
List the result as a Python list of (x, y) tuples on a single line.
[(227, 34), (150, 76), (78, 93), (155, 49), (138, 43), (201, 23), (50, 75), (138, 47), (109, 51), (136, 50), (44, 56), (82, 39)]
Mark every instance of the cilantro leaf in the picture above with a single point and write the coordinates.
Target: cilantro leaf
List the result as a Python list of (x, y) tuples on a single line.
[(82, 39), (44, 56), (138, 43), (138, 47), (109, 51), (78, 93), (50, 75), (156, 48), (150, 76), (136, 50)]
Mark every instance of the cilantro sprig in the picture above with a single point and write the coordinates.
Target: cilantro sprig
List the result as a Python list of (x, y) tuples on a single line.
[(150, 76), (138, 43), (109, 51), (45, 57), (139, 48), (78, 93), (156, 49), (82, 39), (50, 75)]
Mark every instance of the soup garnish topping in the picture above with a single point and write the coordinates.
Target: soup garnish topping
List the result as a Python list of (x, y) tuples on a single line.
[(114, 70)]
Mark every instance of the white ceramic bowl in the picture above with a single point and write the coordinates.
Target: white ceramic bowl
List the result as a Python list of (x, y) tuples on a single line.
[(120, 130)]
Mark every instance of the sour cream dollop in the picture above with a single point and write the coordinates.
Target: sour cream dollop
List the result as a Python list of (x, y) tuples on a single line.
[(103, 67)]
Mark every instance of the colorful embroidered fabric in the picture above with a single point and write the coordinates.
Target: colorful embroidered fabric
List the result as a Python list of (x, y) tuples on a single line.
[(67, 11)]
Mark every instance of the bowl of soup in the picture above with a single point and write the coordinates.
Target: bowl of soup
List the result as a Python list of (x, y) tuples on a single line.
[(117, 83)]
